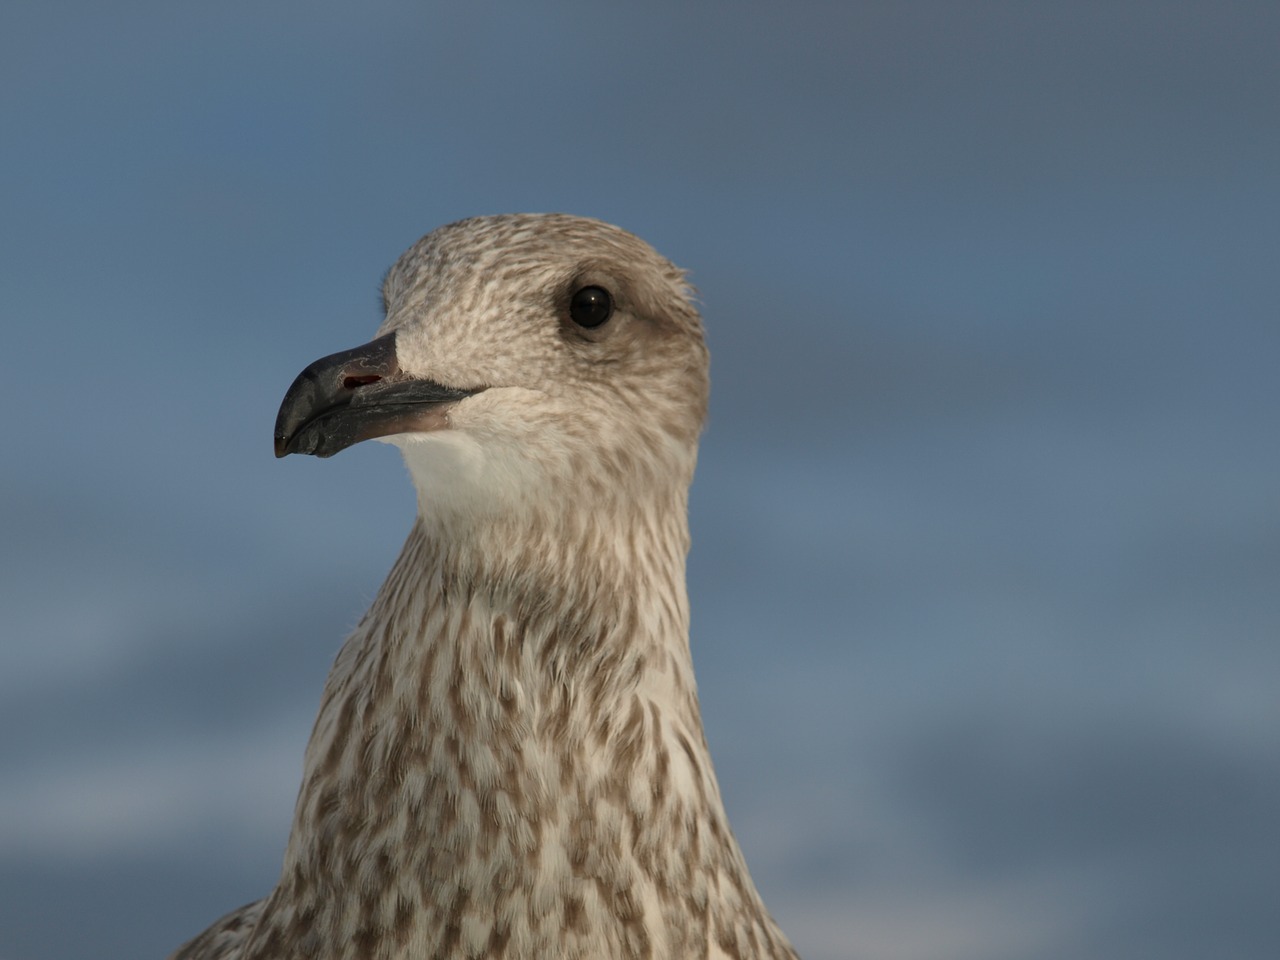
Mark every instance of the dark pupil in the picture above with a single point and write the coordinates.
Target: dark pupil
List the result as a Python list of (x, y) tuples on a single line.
[(590, 307)]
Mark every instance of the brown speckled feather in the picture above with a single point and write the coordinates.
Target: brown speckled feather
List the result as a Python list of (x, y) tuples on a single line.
[(225, 939), (509, 759)]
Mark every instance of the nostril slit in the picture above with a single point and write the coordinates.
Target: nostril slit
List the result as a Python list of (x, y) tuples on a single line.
[(350, 383)]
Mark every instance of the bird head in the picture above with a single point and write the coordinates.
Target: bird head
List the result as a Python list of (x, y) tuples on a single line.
[(519, 353)]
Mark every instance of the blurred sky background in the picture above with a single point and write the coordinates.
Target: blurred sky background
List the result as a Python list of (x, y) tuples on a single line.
[(986, 567)]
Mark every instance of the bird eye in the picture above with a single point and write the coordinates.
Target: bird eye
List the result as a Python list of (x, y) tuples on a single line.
[(591, 306)]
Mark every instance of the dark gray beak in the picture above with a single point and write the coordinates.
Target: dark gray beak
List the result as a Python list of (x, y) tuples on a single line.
[(358, 395)]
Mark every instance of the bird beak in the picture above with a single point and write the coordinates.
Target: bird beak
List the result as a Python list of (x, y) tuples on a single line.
[(357, 395)]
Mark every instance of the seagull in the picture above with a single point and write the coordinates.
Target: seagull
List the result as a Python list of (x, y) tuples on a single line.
[(509, 758)]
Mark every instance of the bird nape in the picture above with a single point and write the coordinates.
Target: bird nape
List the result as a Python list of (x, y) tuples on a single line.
[(509, 758)]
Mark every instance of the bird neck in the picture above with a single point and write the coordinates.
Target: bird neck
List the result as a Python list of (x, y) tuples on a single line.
[(517, 727)]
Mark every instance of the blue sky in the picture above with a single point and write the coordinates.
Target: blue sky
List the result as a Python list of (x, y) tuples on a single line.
[(986, 525)]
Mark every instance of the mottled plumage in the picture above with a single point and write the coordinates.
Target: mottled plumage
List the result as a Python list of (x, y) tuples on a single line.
[(509, 759)]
